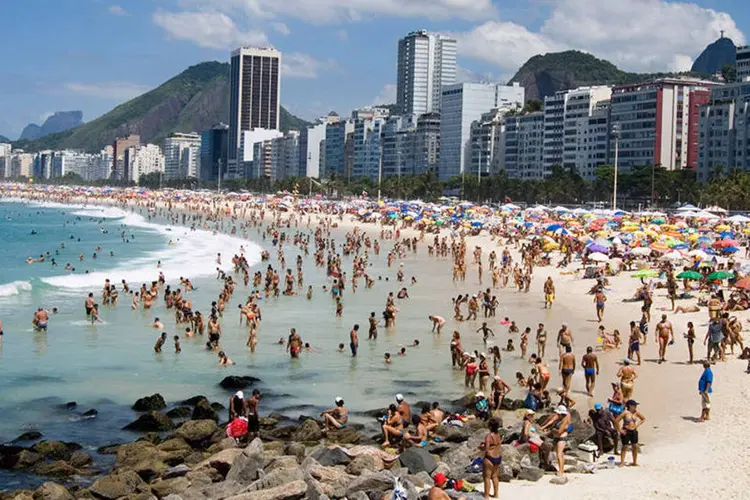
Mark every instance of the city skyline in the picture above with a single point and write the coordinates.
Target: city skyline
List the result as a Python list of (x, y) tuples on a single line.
[(337, 55)]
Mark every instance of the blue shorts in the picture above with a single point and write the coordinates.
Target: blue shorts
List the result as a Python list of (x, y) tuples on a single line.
[(589, 371), (635, 346)]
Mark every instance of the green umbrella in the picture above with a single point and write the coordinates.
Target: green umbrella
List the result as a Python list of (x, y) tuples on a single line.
[(689, 275), (720, 275), (645, 273)]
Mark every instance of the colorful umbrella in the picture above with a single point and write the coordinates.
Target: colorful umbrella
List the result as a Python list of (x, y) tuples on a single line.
[(720, 275), (645, 273), (689, 275)]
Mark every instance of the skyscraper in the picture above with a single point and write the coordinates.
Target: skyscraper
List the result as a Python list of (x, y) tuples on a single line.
[(426, 63), (254, 89)]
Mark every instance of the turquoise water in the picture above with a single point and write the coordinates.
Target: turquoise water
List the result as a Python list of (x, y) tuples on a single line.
[(108, 366)]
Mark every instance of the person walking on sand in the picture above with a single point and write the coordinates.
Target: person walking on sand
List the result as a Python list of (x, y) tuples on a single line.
[(567, 367), (634, 342), (663, 332), (590, 365), (627, 424), (549, 292), (627, 376), (705, 388), (599, 300), (714, 338)]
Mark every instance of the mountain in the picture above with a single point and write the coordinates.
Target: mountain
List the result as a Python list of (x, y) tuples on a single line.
[(717, 55), (4, 139), (58, 122), (543, 75), (192, 101)]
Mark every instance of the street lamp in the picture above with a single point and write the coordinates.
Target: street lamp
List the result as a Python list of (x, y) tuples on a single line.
[(616, 137)]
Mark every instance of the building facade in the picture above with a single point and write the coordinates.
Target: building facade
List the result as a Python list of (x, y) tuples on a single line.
[(214, 152), (426, 63), (743, 63), (335, 143), (524, 146), (119, 147), (145, 160), (182, 154), (310, 140), (254, 96)]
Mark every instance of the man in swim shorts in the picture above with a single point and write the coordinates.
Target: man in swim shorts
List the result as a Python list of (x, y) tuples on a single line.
[(590, 364), (567, 367)]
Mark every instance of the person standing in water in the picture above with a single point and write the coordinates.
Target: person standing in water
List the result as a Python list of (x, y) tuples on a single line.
[(354, 340)]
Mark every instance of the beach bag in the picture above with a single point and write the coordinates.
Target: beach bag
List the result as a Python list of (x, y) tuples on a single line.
[(237, 428), (399, 492), (475, 467), (531, 402)]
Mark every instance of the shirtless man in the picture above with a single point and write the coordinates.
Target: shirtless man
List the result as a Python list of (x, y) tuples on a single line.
[(373, 333), (40, 319), (627, 376), (590, 364), (404, 410), (567, 367), (214, 332), (354, 340), (564, 338), (663, 332), (549, 292), (89, 304), (157, 324), (160, 342), (599, 300), (437, 323)]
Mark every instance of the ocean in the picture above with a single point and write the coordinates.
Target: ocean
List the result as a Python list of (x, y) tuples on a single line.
[(108, 366)]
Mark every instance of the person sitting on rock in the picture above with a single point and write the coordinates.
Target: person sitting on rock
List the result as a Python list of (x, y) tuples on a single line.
[(336, 417)]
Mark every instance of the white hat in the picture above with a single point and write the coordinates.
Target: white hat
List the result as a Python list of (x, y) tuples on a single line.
[(561, 410), (399, 397), (240, 394), (479, 395), (338, 400), (482, 354)]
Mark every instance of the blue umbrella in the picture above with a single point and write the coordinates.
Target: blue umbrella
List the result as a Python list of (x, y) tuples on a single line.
[(598, 248), (554, 227), (731, 249), (476, 223), (726, 235)]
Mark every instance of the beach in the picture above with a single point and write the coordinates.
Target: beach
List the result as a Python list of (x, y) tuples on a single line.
[(681, 458)]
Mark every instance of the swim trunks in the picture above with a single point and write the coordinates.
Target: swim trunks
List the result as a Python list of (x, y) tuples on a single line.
[(567, 371), (589, 371), (635, 346), (353, 347)]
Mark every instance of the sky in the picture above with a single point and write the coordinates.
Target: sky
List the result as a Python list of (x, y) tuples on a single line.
[(92, 55)]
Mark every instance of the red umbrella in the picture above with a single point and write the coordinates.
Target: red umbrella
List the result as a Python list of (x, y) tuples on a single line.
[(744, 283), (726, 243)]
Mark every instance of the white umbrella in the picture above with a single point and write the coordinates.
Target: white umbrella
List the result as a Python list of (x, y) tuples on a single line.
[(673, 255), (598, 257), (641, 251), (687, 207), (700, 254), (510, 206), (738, 219), (560, 209)]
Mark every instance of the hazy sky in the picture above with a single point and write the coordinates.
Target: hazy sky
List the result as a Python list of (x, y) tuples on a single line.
[(337, 54)]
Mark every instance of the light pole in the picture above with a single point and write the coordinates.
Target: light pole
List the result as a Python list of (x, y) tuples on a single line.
[(616, 136)]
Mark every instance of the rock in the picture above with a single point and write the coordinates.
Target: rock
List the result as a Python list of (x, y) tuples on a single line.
[(222, 489), (343, 436), (268, 422), (173, 486), (332, 481), (245, 467), (52, 491), (60, 468), (280, 432), (141, 457), (221, 461), (203, 411), (559, 480), (70, 405), (418, 460), (174, 444), (26, 459), (117, 485), (198, 478), (468, 401), (176, 471), (308, 431), (530, 473), (180, 412), (152, 421), (277, 478), (150, 403), (296, 449), (511, 457), (234, 382), (453, 434), (218, 407), (194, 400), (55, 450), (364, 463), (80, 459), (329, 457), (196, 432), (108, 449), (282, 462), (90, 413), (378, 482), (194, 459), (222, 445), (421, 480), (30, 436), (294, 490), (505, 475), (152, 437)]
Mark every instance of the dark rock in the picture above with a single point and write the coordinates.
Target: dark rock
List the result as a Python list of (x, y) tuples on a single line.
[(55, 450), (277, 416), (308, 431), (194, 400), (80, 459), (203, 411), (453, 434), (343, 436), (151, 437), (379, 482), (151, 422), (530, 473), (268, 422), (196, 432), (181, 412), (329, 457), (108, 449), (150, 403), (26, 459), (117, 485), (218, 407), (70, 405), (364, 463), (468, 401), (29, 436), (235, 382), (91, 413), (280, 432), (245, 467), (176, 471), (60, 468), (52, 491), (418, 460)]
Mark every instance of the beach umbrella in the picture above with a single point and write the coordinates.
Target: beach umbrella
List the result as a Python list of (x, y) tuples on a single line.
[(726, 243), (738, 219), (645, 273), (476, 223), (720, 275), (730, 249), (689, 275), (700, 254), (744, 283), (598, 248), (641, 251), (598, 257), (673, 256)]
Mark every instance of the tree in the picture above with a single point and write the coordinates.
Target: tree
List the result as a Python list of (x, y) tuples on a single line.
[(729, 73)]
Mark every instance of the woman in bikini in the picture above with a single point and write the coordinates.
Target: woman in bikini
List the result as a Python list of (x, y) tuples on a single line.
[(394, 426), (492, 448), (560, 425), (628, 423), (336, 417)]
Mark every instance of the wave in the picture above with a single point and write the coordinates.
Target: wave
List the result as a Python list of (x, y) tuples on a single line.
[(191, 254), (14, 288)]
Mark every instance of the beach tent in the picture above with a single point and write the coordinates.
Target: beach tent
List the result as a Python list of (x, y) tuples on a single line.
[(687, 207)]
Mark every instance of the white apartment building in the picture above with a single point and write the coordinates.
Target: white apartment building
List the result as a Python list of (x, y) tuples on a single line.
[(462, 104), (22, 164), (182, 153), (426, 63), (743, 63), (310, 140), (144, 160), (5, 151)]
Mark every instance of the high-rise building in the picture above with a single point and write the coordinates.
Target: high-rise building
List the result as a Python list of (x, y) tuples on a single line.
[(310, 140), (427, 144), (22, 164), (426, 63), (254, 93), (144, 160), (462, 104), (743, 63), (658, 122), (487, 141), (214, 150), (335, 142), (250, 138), (367, 137), (182, 153), (119, 147), (5, 151), (524, 146)]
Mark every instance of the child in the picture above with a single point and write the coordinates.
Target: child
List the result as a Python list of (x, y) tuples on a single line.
[(512, 328), (341, 348), (509, 347), (520, 379), (177, 348), (386, 358), (525, 341), (160, 342), (690, 336)]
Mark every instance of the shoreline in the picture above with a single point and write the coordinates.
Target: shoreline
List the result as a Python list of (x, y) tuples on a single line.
[(667, 393)]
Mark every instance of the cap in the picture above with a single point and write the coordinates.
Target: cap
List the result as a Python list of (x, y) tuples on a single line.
[(338, 400), (240, 394), (631, 402), (439, 479), (626, 361), (598, 406), (561, 410), (399, 397), (479, 394)]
